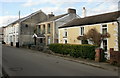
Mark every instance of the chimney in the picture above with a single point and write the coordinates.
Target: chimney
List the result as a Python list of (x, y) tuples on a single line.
[(51, 15), (70, 10), (84, 12)]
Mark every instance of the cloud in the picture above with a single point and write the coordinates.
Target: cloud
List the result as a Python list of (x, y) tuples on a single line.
[(104, 8), (29, 3), (5, 20), (48, 10), (61, 6), (12, 0)]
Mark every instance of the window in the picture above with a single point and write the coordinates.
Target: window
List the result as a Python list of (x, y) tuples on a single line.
[(84, 41), (104, 25), (48, 28), (39, 29), (26, 25), (104, 29), (81, 31), (43, 29), (65, 41), (65, 33)]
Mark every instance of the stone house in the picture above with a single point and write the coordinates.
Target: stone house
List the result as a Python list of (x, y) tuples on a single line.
[(1, 34), (21, 30)]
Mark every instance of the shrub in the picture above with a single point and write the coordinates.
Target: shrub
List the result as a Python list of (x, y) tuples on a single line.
[(83, 51)]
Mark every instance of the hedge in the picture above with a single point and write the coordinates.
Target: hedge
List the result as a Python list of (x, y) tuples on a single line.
[(83, 51)]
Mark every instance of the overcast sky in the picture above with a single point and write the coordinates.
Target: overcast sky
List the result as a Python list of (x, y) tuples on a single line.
[(9, 9)]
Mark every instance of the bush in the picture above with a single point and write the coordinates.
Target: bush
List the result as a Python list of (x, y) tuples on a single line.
[(83, 51)]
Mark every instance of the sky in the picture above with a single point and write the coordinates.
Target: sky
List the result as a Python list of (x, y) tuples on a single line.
[(9, 9)]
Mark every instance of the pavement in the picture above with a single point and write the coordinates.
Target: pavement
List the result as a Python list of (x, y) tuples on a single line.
[(102, 65), (49, 63)]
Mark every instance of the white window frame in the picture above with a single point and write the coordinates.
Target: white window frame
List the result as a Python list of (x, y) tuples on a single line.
[(82, 31)]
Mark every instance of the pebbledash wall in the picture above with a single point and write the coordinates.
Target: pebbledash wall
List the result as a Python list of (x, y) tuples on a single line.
[(68, 34)]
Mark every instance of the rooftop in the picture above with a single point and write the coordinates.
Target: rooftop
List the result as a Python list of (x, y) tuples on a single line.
[(102, 18)]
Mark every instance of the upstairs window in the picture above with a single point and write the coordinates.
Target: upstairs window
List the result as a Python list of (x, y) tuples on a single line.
[(38, 28), (65, 33), (48, 28), (43, 29), (104, 25), (81, 31), (104, 29), (26, 25)]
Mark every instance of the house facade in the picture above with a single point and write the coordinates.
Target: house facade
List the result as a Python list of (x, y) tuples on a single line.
[(1, 34), (49, 28), (11, 34), (21, 31), (103, 23)]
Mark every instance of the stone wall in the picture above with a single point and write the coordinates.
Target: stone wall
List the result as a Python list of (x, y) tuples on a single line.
[(27, 27)]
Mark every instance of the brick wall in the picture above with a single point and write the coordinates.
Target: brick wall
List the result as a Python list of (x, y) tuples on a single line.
[(114, 56)]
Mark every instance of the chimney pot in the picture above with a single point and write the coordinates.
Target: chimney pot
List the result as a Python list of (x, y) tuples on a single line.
[(51, 15)]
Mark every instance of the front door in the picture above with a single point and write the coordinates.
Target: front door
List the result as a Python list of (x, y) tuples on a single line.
[(105, 47), (48, 40)]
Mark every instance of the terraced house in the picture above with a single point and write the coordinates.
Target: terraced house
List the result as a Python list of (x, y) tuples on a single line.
[(47, 31), (103, 23), (21, 30)]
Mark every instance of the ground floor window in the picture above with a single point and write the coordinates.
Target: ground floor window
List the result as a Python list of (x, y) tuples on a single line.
[(65, 41), (84, 41)]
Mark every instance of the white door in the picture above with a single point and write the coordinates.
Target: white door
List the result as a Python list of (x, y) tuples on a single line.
[(48, 40)]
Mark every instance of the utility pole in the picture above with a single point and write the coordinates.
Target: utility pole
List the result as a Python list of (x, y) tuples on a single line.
[(19, 28)]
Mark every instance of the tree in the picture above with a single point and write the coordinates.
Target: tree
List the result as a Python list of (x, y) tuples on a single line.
[(94, 36)]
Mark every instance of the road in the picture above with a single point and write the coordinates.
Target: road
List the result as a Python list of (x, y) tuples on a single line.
[(25, 62)]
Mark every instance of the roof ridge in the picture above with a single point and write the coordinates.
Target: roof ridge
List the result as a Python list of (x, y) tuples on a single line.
[(101, 18), (102, 14)]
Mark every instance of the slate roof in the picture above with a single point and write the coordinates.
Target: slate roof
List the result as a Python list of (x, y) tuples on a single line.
[(24, 18), (57, 17), (54, 18), (102, 18)]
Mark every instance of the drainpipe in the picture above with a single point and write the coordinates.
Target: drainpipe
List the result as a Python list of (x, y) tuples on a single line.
[(54, 28), (19, 28)]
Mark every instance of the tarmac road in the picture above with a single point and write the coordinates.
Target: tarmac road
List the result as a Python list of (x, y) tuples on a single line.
[(25, 62)]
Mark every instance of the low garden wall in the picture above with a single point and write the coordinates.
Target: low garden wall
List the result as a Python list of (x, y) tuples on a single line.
[(114, 57)]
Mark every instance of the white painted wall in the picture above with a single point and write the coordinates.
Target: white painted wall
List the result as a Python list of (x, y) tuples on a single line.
[(11, 34)]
